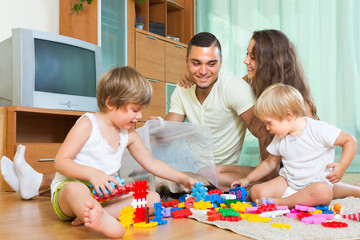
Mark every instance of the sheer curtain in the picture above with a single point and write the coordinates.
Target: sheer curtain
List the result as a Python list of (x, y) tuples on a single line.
[(326, 34)]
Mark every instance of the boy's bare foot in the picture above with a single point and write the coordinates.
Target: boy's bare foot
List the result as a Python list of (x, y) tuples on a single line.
[(77, 222), (97, 219)]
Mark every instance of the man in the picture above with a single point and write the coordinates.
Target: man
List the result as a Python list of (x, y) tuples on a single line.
[(221, 101), (217, 99)]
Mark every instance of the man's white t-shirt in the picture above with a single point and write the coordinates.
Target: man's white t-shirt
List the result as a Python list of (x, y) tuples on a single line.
[(229, 97)]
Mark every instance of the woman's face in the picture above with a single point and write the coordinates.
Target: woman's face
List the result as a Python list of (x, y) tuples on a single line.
[(250, 60)]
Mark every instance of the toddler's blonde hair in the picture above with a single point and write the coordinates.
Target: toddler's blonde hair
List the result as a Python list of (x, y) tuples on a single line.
[(277, 99), (121, 86)]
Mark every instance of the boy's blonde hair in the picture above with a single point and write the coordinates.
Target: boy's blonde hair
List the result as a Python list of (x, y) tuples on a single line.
[(277, 99), (121, 86)]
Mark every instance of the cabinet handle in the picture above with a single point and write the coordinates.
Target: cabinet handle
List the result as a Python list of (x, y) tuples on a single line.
[(173, 2), (179, 46), (152, 80), (46, 159), (151, 37)]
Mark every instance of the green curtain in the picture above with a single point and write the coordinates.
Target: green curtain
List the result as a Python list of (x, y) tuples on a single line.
[(326, 34)]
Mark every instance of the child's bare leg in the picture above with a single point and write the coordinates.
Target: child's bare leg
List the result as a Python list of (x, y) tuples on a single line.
[(274, 188), (342, 190), (75, 200), (318, 193)]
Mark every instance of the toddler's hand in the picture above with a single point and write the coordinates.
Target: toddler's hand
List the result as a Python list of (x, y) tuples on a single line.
[(243, 182), (100, 181), (337, 173), (189, 183)]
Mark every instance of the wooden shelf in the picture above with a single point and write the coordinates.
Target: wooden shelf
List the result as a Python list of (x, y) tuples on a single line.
[(41, 130)]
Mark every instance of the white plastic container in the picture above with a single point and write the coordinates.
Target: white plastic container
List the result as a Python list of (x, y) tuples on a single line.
[(184, 146)]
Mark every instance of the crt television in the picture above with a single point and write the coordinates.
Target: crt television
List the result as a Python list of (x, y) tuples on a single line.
[(46, 70)]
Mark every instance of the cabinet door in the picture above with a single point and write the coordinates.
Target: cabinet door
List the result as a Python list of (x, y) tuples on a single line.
[(158, 103), (150, 56), (175, 62)]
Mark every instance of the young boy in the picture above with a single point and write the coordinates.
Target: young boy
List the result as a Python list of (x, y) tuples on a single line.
[(305, 147), (92, 152)]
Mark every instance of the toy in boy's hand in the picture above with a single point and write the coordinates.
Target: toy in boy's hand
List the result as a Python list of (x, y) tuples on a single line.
[(118, 190)]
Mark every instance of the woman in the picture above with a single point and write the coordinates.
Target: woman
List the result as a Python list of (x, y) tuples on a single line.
[(271, 58)]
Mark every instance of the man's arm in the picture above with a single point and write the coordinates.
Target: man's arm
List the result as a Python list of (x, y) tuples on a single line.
[(175, 117), (258, 129)]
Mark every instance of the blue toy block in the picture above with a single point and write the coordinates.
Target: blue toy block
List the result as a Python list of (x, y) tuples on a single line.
[(239, 192), (199, 191)]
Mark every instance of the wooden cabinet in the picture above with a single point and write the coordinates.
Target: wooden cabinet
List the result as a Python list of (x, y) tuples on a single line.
[(41, 130), (158, 103), (150, 56), (174, 61)]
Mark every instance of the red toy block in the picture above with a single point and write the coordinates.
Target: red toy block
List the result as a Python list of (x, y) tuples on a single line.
[(215, 191), (140, 189), (301, 215), (266, 208), (140, 215), (215, 216), (334, 224), (189, 203), (181, 213), (231, 219), (170, 203)]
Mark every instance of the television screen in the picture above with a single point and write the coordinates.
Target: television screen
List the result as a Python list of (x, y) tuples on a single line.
[(65, 69)]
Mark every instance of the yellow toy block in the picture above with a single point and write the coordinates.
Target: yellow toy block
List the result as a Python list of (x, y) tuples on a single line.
[(281, 225), (145, 225)]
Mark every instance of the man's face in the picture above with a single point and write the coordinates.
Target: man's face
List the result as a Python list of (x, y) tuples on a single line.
[(204, 65)]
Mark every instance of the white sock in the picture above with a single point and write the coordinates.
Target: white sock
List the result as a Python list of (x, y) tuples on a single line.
[(29, 179), (9, 173)]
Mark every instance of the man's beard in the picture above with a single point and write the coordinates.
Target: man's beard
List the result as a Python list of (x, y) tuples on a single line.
[(203, 88)]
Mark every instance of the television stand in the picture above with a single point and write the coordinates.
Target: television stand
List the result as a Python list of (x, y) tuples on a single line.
[(41, 130)]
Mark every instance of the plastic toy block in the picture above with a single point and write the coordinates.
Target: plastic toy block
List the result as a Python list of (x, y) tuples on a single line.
[(228, 196), (239, 206), (140, 189), (215, 216), (274, 214), (140, 215), (183, 198), (139, 203), (301, 215), (281, 225), (199, 191), (228, 212), (189, 203), (338, 208), (181, 205), (174, 209), (182, 213), (239, 192), (334, 224), (266, 208), (321, 215), (255, 218), (215, 191), (159, 214), (214, 199), (229, 202), (322, 207), (305, 208), (202, 205), (118, 191), (313, 220), (170, 203), (353, 216), (231, 219), (127, 216), (145, 225), (167, 212)]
